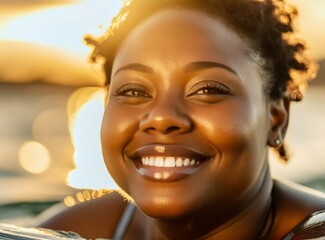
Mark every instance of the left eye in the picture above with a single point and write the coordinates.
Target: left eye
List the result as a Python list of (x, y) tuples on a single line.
[(212, 90)]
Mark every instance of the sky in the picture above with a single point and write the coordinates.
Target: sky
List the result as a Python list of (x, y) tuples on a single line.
[(39, 38), (50, 33)]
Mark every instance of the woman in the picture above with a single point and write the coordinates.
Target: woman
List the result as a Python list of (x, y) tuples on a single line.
[(198, 92)]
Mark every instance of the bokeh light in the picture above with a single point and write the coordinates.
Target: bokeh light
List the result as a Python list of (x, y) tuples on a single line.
[(86, 195), (49, 123), (34, 157), (69, 201)]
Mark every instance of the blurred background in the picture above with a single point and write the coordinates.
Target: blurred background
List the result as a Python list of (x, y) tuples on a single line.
[(51, 106)]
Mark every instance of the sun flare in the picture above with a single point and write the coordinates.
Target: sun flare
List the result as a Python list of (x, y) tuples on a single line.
[(62, 26)]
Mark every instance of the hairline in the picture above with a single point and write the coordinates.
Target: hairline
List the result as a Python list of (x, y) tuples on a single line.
[(250, 50)]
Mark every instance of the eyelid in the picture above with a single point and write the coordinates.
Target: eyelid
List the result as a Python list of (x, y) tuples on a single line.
[(131, 87), (209, 84)]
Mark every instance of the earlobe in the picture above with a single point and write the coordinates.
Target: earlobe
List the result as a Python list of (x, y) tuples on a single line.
[(279, 116)]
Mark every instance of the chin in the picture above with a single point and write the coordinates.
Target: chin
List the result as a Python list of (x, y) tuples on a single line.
[(163, 208)]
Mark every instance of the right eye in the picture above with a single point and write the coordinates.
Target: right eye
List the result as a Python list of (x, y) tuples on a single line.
[(133, 94), (133, 91)]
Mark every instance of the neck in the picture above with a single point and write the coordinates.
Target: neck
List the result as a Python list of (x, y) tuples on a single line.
[(247, 221)]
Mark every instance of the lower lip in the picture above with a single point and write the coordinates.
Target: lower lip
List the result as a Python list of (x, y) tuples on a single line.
[(163, 174)]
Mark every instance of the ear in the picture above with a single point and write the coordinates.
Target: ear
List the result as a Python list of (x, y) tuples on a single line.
[(279, 116)]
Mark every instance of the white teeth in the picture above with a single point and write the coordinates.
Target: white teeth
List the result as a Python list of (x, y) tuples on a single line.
[(145, 161), (186, 162), (168, 162), (151, 161), (179, 162), (159, 162)]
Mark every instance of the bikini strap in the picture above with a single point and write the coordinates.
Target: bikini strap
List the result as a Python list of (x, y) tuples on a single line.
[(313, 227), (124, 222)]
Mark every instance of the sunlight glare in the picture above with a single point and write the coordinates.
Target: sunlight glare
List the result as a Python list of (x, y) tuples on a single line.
[(311, 18), (62, 26), (34, 157), (85, 110)]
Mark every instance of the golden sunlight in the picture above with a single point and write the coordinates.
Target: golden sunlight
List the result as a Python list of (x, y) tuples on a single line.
[(83, 196), (85, 111), (62, 26), (34, 157), (45, 42), (311, 18)]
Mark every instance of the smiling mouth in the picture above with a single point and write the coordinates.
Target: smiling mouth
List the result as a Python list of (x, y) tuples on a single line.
[(167, 162), (167, 169)]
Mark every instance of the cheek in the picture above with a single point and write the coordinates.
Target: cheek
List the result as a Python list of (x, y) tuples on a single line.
[(118, 128), (227, 126), (233, 131), (239, 132), (118, 125)]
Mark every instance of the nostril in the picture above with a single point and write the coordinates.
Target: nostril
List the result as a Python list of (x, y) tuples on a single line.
[(150, 129), (171, 129), (165, 120), (163, 130)]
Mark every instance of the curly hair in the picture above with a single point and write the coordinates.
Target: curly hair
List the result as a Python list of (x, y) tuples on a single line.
[(266, 25)]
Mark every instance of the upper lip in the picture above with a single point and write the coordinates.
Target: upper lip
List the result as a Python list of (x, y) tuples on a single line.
[(167, 150)]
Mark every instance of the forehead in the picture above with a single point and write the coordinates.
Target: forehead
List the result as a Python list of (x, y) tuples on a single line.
[(182, 33)]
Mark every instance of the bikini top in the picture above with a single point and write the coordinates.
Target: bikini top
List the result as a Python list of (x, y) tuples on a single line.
[(124, 222), (313, 227)]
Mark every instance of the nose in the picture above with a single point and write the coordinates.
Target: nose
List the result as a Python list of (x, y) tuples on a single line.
[(166, 118)]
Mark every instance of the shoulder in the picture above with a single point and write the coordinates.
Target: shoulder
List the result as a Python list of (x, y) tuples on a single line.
[(293, 198), (311, 228), (95, 218), (293, 204)]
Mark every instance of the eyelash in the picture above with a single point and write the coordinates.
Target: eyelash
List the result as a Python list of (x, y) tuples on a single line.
[(206, 86), (203, 88), (136, 90)]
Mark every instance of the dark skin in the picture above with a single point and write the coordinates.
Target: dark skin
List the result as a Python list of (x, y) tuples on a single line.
[(183, 85), (99, 218)]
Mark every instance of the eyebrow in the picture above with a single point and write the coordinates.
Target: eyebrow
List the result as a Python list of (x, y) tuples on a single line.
[(138, 67), (198, 66), (192, 67)]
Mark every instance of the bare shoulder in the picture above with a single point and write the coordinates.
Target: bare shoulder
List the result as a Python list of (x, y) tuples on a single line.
[(293, 204), (92, 219), (290, 195)]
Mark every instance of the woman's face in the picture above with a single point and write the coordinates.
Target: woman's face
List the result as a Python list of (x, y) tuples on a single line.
[(186, 122)]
